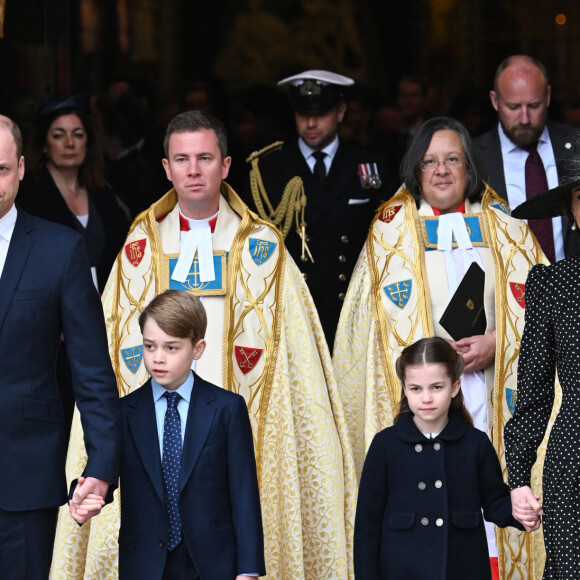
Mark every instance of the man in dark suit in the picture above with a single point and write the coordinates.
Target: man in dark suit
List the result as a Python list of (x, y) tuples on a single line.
[(46, 290), (324, 192), (521, 96), (218, 524)]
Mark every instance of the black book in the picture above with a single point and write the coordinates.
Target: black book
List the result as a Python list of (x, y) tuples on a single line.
[(465, 314)]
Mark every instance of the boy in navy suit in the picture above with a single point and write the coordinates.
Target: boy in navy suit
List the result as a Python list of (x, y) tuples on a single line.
[(190, 506)]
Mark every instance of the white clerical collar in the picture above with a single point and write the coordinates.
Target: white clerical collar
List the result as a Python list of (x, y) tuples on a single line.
[(452, 225), (197, 240)]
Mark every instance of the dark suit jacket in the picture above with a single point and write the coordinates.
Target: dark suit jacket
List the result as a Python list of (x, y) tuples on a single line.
[(219, 500), (564, 140), (42, 198), (46, 289), (336, 228)]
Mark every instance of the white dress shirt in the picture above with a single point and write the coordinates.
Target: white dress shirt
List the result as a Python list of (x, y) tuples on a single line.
[(514, 163), (160, 403), (308, 153), (7, 223)]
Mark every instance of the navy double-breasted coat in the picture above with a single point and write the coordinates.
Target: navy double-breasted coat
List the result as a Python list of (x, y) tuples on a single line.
[(420, 500)]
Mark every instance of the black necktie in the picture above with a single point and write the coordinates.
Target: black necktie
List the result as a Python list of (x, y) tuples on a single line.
[(319, 166), (172, 467), (536, 183)]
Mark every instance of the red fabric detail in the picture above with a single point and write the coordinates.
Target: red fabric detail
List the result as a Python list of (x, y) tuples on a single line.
[(493, 562), (389, 213), (135, 251), (184, 224), (247, 357), (461, 209), (519, 291)]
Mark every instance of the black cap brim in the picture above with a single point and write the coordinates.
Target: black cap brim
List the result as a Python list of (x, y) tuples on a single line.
[(547, 204)]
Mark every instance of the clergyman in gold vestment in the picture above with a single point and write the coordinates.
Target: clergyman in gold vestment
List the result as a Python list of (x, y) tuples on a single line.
[(420, 244), (264, 341)]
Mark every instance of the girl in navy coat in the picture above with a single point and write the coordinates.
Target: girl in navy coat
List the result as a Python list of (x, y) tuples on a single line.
[(427, 479)]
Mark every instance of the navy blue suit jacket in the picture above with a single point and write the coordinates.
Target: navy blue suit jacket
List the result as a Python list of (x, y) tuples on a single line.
[(219, 500), (46, 290)]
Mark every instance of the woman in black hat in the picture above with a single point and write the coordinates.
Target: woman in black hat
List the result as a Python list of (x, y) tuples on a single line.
[(64, 183), (550, 345)]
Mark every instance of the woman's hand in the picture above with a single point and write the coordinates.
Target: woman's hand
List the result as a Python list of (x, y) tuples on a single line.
[(477, 351), (526, 508)]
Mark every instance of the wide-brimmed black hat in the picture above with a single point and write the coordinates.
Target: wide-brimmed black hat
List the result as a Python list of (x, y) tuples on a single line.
[(314, 92), (549, 203)]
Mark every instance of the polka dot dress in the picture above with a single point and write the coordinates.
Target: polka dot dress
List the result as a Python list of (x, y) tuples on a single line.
[(551, 341)]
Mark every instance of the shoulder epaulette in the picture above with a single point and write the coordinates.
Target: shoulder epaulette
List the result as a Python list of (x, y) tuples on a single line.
[(265, 150)]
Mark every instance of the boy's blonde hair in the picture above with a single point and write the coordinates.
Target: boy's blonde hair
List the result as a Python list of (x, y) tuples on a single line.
[(178, 314)]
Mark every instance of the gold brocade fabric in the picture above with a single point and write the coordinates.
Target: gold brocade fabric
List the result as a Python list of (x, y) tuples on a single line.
[(305, 465), (373, 330)]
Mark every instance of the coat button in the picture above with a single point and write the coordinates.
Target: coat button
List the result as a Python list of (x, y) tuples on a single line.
[(344, 239), (418, 448), (438, 484), (425, 521), (422, 485), (439, 522), (342, 277), (341, 296), (162, 543), (437, 446), (342, 258)]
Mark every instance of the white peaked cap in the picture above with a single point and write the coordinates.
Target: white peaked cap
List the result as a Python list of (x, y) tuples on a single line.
[(322, 76)]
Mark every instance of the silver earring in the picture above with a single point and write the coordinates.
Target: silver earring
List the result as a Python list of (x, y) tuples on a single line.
[(573, 227)]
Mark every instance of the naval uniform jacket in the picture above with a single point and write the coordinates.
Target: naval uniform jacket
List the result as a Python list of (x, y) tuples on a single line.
[(338, 216), (419, 505), (564, 144)]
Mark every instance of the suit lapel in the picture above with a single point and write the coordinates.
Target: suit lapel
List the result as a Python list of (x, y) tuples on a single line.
[(199, 421), (495, 165), (143, 427), (18, 251)]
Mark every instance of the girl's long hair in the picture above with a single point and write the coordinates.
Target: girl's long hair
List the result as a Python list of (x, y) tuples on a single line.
[(429, 351)]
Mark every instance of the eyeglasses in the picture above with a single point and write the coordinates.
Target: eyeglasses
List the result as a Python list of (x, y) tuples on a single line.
[(432, 164)]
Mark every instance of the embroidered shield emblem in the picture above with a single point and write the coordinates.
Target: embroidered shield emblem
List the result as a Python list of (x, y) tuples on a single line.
[(502, 207), (511, 396), (193, 283), (261, 250), (247, 357), (519, 291), (135, 251), (399, 292), (389, 213), (133, 357)]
